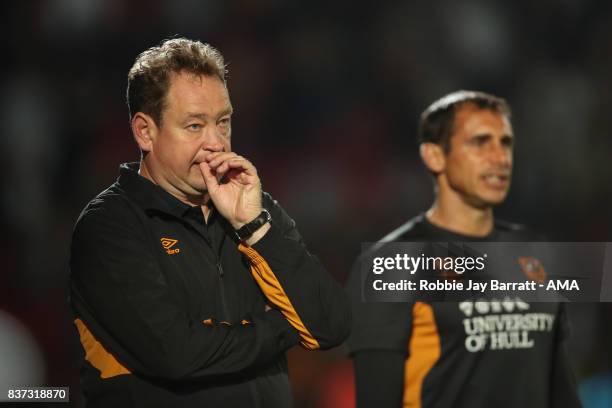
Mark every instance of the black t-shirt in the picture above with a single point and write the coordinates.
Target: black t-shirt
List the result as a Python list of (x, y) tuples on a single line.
[(476, 353)]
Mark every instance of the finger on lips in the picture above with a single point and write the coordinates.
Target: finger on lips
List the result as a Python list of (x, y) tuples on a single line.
[(219, 164), (214, 159), (206, 170), (234, 163)]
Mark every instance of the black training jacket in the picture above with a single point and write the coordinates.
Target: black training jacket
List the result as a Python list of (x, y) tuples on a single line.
[(171, 310)]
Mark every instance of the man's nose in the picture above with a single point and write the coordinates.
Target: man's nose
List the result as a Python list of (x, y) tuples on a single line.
[(213, 140), (500, 155)]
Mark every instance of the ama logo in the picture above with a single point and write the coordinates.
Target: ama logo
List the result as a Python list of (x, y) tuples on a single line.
[(168, 243)]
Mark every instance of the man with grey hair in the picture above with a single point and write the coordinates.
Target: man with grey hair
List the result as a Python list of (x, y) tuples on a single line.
[(188, 283)]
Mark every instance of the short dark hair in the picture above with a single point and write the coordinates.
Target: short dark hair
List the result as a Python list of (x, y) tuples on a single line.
[(437, 121), (149, 77)]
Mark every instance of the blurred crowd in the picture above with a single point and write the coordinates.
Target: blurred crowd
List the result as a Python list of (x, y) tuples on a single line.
[(326, 98)]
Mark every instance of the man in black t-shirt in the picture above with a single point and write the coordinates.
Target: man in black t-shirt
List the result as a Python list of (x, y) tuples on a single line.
[(449, 354)]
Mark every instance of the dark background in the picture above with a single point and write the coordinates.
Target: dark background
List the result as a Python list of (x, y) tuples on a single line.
[(327, 96)]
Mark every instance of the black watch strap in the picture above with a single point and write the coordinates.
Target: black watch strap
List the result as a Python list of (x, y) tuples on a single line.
[(249, 229)]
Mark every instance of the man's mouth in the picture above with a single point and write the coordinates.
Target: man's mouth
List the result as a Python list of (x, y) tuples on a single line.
[(497, 180)]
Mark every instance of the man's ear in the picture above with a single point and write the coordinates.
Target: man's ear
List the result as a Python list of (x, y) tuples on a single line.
[(144, 130), (433, 156)]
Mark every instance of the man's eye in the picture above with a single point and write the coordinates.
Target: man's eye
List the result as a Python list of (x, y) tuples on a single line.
[(479, 141), (224, 121), (194, 126)]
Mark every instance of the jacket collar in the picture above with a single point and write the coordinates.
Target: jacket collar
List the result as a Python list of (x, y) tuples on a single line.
[(150, 196)]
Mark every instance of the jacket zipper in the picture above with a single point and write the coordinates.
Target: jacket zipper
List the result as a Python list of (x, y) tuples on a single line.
[(224, 309), (220, 273), (222, 291)]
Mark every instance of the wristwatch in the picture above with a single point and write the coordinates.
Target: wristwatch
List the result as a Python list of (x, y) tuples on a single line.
[(249, 229)]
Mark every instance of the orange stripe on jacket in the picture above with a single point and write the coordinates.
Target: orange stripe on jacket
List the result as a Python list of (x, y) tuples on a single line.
[(275, 293), (97, 355), (424, 351)]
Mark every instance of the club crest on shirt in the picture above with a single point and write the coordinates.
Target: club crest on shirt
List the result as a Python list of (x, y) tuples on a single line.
[(532, 268)]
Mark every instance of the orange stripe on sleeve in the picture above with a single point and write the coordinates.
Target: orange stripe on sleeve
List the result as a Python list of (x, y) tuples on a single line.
[(424, 351), (274, 292), (97, 355)]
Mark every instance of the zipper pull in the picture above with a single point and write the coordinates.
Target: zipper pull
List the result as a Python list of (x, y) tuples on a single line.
[(220, 268)]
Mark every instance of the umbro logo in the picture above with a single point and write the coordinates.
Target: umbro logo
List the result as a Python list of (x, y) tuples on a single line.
[(168, 243)]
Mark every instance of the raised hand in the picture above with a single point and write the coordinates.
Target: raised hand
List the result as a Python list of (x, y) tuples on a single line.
[(234, 187)]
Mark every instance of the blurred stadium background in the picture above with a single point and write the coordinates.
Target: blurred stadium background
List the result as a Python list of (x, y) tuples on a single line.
[(327, 95)]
